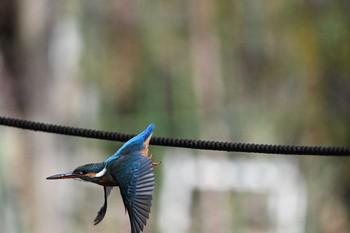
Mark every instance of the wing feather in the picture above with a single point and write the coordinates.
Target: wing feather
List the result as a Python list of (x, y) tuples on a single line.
[(135, 176), (102, 212)]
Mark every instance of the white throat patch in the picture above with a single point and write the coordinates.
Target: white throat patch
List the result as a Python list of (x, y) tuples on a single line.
[(101, 173)]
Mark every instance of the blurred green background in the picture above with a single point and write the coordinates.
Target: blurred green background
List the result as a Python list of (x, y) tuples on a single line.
[(248, 71)]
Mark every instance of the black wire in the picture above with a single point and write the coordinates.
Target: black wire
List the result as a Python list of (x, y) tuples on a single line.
[(176, 142)]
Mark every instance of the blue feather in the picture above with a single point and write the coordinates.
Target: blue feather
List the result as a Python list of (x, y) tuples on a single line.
[(136, 143)]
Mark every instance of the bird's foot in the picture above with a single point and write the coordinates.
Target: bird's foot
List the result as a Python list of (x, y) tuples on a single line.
[(154, 163)]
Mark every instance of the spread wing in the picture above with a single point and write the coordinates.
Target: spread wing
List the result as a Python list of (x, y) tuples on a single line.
[(101, 213), (138, 144), (135, 176)]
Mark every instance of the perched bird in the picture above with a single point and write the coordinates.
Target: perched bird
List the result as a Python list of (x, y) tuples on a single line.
[(130, 168)]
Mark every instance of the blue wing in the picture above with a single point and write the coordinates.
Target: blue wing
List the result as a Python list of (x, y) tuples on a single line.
[(135, 177), (102, 212), (132, 169), (139, 143)]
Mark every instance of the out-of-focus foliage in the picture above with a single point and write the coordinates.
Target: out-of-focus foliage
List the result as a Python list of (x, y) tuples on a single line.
[(252, 71)]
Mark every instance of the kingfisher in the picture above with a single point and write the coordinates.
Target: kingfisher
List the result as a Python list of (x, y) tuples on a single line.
[(130, 168)]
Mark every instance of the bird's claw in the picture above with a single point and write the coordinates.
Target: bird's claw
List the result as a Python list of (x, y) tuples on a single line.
[(154, 163)]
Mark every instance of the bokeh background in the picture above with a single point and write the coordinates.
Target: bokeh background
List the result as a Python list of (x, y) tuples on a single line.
[(236, 70)]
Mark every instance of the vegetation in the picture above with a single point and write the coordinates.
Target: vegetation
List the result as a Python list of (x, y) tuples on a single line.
[(248, 71)]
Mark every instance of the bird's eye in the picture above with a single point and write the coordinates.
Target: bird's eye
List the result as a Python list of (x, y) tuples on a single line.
[(81, 172)]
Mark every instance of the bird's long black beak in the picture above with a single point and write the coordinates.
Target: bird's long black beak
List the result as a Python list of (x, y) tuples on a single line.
[(68, 175)]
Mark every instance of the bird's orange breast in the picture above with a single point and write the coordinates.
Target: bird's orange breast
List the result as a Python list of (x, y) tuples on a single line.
[(104, 181)]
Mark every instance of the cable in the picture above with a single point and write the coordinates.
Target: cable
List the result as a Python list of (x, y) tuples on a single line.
[(176, 142)]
